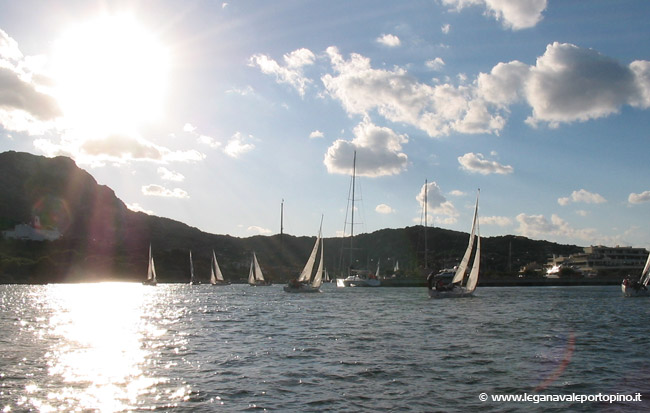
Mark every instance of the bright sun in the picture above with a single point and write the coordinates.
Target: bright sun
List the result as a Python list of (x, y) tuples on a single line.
[(110, 74)]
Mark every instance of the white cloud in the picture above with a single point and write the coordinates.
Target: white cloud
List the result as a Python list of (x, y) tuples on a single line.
[(399, 97), (245, 91), (379, 152), (168, 175), (445, 28), (135, 207), (582, 195), (237, 146), (384, 209), (538, 226), (457, 192), (582, 212), (436, 64), (639, 198), (474, 162), (208, 140), (504, 84), (515, 14), (437, 204), (316, 134), (188, 127), (389, 40), (498, 221), (114, 148), (291, 73), (259, 230), (157, 190)]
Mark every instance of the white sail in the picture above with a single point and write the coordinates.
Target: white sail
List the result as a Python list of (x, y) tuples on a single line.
[(217, 270), (251, 275), (473, 275), (151, 270), (377, 271), (305, 275), (258, 271), (318, 277), (396, 266), (645, 275), (462, 267)]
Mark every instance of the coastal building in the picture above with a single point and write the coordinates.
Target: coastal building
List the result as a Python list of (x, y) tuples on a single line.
[(599, 258), (33, 232)]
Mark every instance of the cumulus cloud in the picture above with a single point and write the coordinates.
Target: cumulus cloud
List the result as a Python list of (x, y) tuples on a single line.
[(582, 195), (379, 152), (504, 84), (135, 207), (157, 190), (445, 28), (475, 162), (24, 106), (316, 134), (536, 226), (236, 146), (497, 221), (291, 73), (168, 175), (569, 83), (114, 148), (398, 97), (384, 209), (436, 64), (437, 204), (389, 40), (514, 14), (639, 198), (259, 230)]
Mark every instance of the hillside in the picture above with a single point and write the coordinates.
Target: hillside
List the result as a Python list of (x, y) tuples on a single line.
[(104, 240)]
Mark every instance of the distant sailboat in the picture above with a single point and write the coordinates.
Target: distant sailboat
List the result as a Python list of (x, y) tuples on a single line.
[(216, 278), (255, 276), (192, 279), (456, 289), (151, 271), (302, 284), (638, 288), (355, 277)]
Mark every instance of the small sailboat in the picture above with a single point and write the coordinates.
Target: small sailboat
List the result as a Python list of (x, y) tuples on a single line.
[(638, 288), (461, 286), (302, 284), (192, 279), (255, 276), (216, 277), (151, 271)]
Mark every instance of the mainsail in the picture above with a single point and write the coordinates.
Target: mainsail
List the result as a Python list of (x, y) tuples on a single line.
[(318, 277), (305, 275), (151, 270), (258, 270), (191, 269), (645, 275), (462, 267), (215, 271)]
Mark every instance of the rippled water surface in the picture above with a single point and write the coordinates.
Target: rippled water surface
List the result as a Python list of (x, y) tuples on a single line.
[(126, 347)]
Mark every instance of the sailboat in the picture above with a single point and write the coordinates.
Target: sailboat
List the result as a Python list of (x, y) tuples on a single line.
[(461, 285), (255, 276), (151, 271), (216, 277), (302, 284), (356, 277), (637, 288), (192, 279)]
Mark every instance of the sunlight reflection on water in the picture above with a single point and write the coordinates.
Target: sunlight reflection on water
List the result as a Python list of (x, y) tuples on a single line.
[(103, 340)]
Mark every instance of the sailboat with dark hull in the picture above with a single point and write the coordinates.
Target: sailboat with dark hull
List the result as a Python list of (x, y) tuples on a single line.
[(463, 284), (216, 277), (305, 283), (639, 287)]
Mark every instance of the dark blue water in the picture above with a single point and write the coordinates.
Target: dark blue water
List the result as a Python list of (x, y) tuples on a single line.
[(127, 347)]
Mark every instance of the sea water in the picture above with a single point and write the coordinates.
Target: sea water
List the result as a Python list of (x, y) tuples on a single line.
[(127, 347)]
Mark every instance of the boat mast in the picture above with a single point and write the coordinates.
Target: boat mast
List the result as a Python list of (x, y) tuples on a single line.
[(426, 250), (354, 168)]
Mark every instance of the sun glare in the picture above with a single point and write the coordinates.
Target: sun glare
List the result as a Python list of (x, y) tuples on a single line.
[(110, 74)]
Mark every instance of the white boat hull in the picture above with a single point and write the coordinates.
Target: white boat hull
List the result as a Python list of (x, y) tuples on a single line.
[(357, 282), (457, 292), (629, 291)]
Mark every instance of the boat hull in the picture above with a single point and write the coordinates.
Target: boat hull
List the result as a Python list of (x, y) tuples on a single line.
[(630, 291), (358, 282), (148, 282), (457, 292)]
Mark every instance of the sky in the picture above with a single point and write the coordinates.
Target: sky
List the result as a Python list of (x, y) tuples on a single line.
[(216, 113)]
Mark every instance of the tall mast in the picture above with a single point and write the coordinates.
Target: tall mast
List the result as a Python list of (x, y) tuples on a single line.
[(426, 250), (354, 168)]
